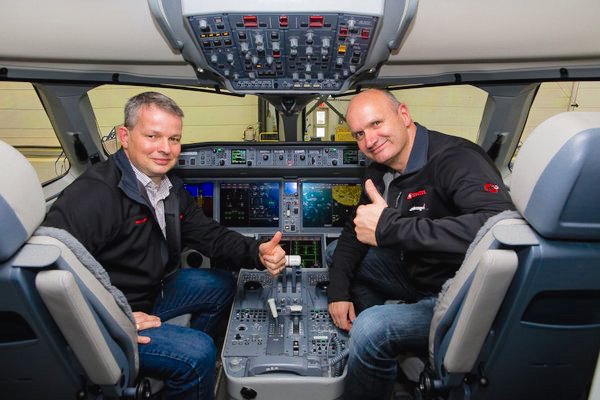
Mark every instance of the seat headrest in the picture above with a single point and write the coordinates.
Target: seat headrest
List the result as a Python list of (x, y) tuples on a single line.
[(22, 203), (555, 182)]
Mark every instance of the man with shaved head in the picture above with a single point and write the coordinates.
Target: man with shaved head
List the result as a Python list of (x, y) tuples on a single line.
[(425, 196)]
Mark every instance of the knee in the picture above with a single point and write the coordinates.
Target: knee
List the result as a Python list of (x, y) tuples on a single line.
[(200, 356), (368, 333)]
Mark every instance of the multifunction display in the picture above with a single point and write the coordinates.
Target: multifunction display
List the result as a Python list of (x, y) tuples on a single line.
[(327, 204), (203, 193), (249, 204)]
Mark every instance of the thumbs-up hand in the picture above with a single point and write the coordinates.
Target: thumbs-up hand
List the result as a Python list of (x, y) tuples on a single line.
[(367, 216), (271, 255)]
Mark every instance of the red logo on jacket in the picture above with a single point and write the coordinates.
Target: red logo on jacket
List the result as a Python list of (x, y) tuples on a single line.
[(491, 187), (141, 221), (415, 194)]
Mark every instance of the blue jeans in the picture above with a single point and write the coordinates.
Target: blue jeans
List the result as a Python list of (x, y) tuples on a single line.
[(185, 357), (381, 333)]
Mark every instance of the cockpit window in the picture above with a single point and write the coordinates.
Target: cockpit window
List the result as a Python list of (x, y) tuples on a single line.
[(208, 117), (557, 97), (456, 110), (25, 125)]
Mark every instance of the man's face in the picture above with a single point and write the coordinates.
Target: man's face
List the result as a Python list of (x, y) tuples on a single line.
[(381, 132), (154, 143)]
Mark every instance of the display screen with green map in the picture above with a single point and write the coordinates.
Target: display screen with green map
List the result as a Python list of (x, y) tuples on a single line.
[(326, 205)]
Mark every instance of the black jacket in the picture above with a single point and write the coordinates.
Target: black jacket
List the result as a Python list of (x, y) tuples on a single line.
[(448, 190), (108, 211)]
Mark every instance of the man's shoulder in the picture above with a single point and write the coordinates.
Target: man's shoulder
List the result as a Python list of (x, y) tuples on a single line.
[(100, 175), (444, 146)]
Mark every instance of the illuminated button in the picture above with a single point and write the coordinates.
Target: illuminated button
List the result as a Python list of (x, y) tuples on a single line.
[(294, 42), (326, 42), (341, 49)]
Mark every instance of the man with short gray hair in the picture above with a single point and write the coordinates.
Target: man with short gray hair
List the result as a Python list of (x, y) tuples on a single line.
[(134, 216)]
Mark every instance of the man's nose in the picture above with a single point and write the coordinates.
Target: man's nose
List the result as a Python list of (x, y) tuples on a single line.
[(163, 146), (370, 138)]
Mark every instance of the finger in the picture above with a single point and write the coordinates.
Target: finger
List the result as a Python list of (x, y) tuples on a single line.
[(372, 192), (143, 339), (351, 313), (269, 246)]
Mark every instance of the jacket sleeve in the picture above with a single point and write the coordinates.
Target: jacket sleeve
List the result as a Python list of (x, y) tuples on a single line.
[(472, 187), (78, 210), (214, 240), (348, 254)]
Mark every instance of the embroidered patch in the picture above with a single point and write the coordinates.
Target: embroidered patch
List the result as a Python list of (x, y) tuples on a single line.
[(415, 194), (490, 187), (418, 208), (141, 221)]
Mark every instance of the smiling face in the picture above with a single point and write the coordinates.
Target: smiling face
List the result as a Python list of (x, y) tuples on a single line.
[(154, 142), (384, 133)]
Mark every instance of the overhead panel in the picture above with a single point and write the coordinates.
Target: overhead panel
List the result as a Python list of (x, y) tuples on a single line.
[(284, 47)]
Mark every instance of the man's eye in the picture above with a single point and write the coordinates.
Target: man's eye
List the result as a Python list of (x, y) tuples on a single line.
[(358, 135), (376, 123), (175, 140)]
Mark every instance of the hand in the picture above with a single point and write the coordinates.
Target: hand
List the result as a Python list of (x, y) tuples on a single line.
[(145, 321), (367, 216), (271, 255), (342, 314)]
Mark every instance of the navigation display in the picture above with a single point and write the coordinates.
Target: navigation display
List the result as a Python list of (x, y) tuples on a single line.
[(203, 193), (249, 204), (327, 205)]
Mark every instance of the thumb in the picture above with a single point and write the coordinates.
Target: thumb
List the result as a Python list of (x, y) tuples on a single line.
[(269, 246), (373, 193)]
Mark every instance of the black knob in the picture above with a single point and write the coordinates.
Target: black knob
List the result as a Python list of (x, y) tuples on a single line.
[(221, 162), (266, 157), (362, 162), (248, 393), (281, 156), (249, 163), (333, 162), (302, 157)]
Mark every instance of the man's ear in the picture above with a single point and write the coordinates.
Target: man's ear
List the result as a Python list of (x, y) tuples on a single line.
[(404, 114), (123, 134)]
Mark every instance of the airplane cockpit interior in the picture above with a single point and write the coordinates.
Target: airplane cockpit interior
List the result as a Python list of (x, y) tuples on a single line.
[(266, 147)]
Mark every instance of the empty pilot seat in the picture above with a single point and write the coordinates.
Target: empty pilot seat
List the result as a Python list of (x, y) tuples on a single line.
[(65, 332), (521, 318)]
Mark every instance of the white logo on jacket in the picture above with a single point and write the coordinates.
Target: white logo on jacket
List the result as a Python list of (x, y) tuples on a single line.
[(417, 208)]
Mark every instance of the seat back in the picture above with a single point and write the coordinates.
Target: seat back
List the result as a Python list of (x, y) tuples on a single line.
[(62, 332), (521, 319)]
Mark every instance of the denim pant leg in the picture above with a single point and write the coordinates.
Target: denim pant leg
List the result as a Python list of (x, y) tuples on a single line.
[(183, 357), (206, 294), (380, 277), (379, 334)]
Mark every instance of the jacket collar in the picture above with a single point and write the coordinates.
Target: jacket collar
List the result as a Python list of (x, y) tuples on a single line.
[(418, 153), (129, 183)]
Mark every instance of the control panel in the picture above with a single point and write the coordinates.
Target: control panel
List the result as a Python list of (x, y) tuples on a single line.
[(281, 327), (284, 51), (241, 156)]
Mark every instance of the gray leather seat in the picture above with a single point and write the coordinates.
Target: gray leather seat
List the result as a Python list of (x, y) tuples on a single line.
[(65, 332), (521, 318)]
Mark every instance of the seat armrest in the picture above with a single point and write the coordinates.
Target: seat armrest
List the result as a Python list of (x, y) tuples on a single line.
[(491, 281), (70, 311)]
